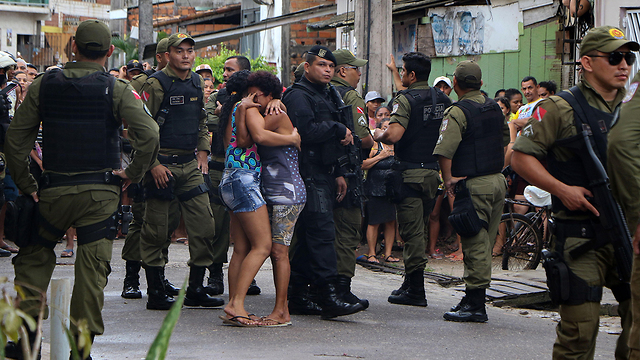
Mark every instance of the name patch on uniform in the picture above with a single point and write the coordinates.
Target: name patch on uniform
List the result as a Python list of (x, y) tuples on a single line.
[(632, 91), (194, 99), (438, 114), (176, 100)]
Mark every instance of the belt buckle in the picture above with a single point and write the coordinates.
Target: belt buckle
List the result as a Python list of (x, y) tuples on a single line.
[(584, 232), (175, 159), (422, 165)]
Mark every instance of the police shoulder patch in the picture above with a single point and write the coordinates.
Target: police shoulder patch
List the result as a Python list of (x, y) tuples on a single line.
[(631, 92), (395, 108)]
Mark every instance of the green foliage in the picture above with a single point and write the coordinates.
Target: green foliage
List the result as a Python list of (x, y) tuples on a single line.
[(158, 349), (126, 45), (217, 63)]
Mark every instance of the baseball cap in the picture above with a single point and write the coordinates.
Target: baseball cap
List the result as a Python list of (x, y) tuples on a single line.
[(177, 39), (162, 46), (344, 56), (134, 65), (93, 35), (299, 70), (203, 67), (444, 79), (323, 52), (605, 39), (469, 71), (373, 95)]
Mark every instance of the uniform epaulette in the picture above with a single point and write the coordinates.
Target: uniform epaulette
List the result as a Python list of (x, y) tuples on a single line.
[(123, 80)]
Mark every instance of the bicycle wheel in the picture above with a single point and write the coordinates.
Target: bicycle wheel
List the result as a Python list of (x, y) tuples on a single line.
[(522, 245)]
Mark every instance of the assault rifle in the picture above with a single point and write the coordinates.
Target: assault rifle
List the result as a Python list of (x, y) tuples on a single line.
[(351, 160), (611, 217)]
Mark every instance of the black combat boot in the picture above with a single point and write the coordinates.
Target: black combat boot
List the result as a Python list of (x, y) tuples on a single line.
[(462, 302), (472, 309), (414, 295), (215, 283), (14, 350), (300, 302), (131, 288), (344, 287), (403, 287), (168, 286), (196, 295), (157, 297), (254, 289), (332, 304)]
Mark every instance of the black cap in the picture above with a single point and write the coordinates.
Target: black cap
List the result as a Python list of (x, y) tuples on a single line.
[(134, 65), (323, 52)]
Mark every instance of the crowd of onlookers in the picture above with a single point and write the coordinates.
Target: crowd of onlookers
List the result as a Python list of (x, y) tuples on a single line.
[(441, 239)]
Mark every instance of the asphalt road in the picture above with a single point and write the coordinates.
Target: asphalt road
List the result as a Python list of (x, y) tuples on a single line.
[(384, 331)]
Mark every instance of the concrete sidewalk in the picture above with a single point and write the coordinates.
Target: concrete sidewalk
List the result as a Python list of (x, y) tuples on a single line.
[(384, 331)]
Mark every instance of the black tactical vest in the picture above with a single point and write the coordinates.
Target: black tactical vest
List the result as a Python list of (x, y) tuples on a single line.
[(180, 111), (421, 135), (79, 129), (344, 89), (573, 172), (480, 152), (324, 109)]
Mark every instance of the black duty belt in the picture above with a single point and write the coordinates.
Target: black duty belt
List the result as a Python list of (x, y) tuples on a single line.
[(412, 165), (52, 180), (175, 159), (216, 165)]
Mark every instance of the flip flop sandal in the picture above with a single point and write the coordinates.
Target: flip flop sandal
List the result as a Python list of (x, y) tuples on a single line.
[(67, 253), (233, 321), (275, 324), (386, 259)]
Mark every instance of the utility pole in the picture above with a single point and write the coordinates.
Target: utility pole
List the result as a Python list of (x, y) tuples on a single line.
[(145, 30), (373, 42)]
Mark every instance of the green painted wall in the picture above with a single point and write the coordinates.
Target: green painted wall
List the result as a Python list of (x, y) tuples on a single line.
[(536, 57)]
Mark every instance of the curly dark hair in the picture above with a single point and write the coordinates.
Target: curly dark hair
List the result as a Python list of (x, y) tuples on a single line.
[(268, 83), (236, 87)]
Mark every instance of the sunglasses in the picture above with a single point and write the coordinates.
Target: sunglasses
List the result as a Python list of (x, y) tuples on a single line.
[(616, 57)]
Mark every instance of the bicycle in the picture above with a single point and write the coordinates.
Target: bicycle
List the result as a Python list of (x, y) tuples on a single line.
[(525, 236)]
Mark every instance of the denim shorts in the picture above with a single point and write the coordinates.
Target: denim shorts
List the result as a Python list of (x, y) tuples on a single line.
[(239, 190)]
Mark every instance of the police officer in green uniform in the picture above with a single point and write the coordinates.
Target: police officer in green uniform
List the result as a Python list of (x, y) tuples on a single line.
[(471, 147), (415, 120), (81, 109), (161, 49), (346, 213), (605, 59), (175, 98), (131, 249), (623, 161), (215, 283)]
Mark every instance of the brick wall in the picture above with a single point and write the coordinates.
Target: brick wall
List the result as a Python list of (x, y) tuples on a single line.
[(306, 40)]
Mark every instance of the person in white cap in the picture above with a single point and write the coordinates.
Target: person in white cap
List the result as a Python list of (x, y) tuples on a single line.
[(372, 101), (205, 71), (443, 83)]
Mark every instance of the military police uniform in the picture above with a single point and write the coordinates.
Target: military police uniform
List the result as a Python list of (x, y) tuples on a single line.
[(220, 214), (623, 161), (312, 110), (472, 135), (78, 191), (131, 248), (346, 214), (552, 121), (177, 105), (415, 110)]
